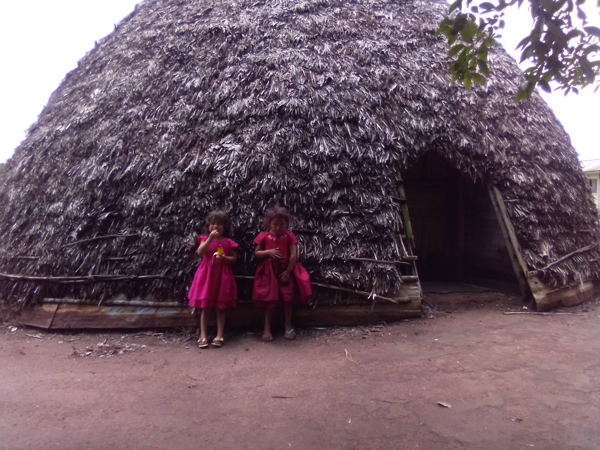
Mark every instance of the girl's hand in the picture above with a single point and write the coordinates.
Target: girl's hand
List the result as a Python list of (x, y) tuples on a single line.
[(213, 235), (284, 277), (274, 253)]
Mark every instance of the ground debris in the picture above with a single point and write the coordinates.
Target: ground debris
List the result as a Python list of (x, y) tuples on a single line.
[(535, 313), (37, 336), (349, 356), (103, 349)]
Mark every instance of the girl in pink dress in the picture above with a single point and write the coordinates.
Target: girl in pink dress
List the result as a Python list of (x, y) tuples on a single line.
[(214, 286), (279, 279)]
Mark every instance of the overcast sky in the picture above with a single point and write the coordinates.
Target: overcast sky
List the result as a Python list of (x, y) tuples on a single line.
[(42, 40)]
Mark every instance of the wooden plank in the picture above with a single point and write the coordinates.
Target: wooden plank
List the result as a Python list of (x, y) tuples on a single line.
[(114, 302), (406, 219), (510, 238), (547, 299), (408, 291), (38, 316), (356, 315), (245, 316), (103, 317), (175, 317), (409, 279)]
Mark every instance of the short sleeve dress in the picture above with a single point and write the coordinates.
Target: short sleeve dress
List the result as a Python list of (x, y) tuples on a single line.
[(267, 290), (214, 285)]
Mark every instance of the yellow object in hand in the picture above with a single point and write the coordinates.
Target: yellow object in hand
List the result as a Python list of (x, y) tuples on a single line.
[(219, 251)]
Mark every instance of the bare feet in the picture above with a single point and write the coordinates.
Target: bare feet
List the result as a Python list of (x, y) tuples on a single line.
[(267, 337)]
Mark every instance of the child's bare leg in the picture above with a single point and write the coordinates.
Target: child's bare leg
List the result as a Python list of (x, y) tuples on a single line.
[(221, 315), (289, 329), (287, 311), (204, 322), (267, 335)]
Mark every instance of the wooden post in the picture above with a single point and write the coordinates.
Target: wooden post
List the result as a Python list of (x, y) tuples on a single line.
[(406, 218), (410, 240), (510, 238)]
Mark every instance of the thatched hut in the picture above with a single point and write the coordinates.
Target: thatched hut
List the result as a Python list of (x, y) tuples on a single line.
[(343, 111)]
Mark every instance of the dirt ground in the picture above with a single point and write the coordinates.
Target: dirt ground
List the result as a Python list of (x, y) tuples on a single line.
[(507, 382)]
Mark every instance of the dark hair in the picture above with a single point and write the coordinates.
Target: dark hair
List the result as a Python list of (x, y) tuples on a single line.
[(277, 212), (220, 218)]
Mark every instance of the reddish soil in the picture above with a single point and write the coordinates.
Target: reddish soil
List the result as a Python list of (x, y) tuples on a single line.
[(512, 381)]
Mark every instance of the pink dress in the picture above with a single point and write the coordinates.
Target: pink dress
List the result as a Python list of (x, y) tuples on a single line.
[(214, 285), (267, 291)]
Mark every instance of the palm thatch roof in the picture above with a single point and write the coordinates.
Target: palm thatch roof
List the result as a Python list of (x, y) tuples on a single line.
[(320, 105)]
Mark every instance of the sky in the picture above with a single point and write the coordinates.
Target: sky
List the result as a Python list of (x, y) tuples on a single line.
[(42, 40)]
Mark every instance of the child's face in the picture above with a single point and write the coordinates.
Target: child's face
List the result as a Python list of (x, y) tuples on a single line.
[(278, 226), (220, 229)]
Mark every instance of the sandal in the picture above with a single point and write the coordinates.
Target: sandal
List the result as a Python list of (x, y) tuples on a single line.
[(290, 334), (217, 342), (202, 343)]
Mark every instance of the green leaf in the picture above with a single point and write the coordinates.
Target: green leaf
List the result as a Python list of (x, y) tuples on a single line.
[(527, 53), (594, 31), (487, 6), (545, 86), (468, 81), (475, 9), (521, 95), (580, 14), (468, 32), (574, 33), (587, 68), (454, 50), (478, 78), (524, 42), (483, 68), (548, 6), (453, 6), (591, 49), (501, 24), (444, 28)]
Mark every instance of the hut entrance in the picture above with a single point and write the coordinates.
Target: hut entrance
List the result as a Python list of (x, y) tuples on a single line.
[(457, 235)]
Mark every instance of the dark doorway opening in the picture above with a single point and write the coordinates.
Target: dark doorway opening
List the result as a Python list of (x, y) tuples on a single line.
[(457, 236)]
